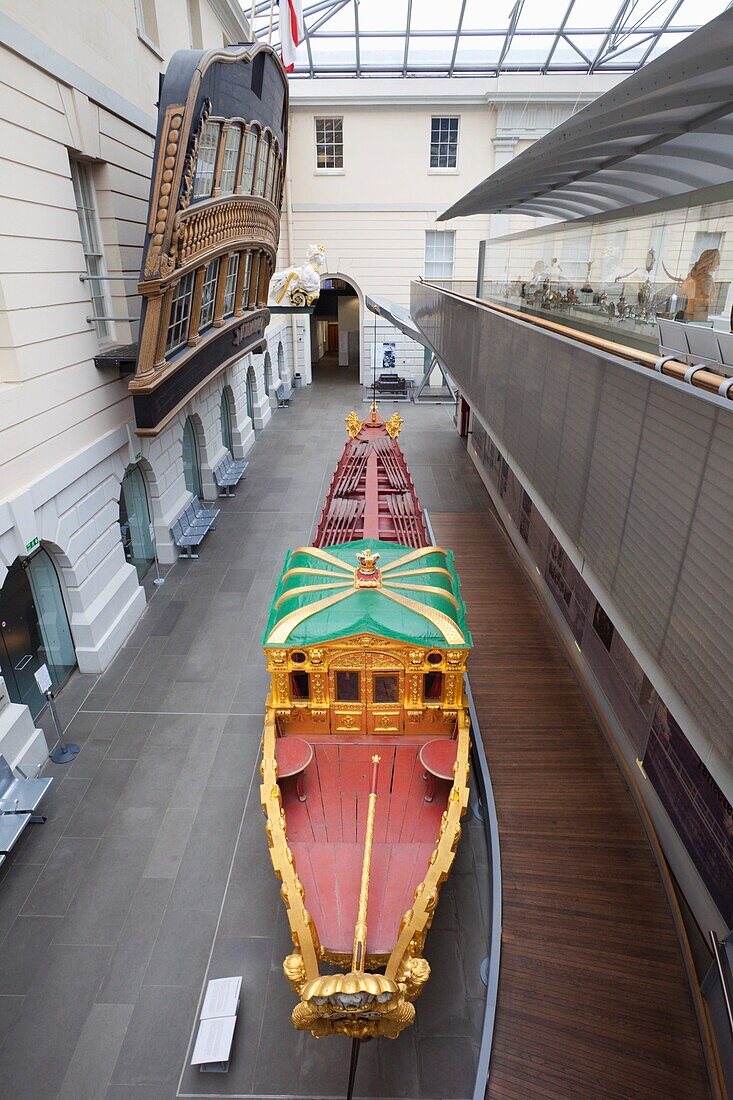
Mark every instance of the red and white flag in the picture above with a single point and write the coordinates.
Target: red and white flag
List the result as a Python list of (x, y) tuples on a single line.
[(292, 31)]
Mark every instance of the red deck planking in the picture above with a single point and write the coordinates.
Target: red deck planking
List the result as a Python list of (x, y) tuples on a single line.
[(326, 835), (372, 494)]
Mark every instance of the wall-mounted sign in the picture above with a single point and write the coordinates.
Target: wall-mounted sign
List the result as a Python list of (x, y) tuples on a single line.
[(31, 545), (213, 222)]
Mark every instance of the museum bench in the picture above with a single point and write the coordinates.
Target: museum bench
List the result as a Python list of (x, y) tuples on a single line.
[(19, 801), (192, 526), (228, 473), (217, 1020), (283, 394)]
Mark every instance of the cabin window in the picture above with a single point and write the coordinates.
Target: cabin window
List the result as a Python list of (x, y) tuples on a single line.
[(208, 293), (247, 260), (180, 313), (271, 163), (300, 686), (204, 180), (386, 688), (231, 283), (435, 658), (433, 687), (262, 158), (229, 163), (248, 163), (347, 687), (297, 657)]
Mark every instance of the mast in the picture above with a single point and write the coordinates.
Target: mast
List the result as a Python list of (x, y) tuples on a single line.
[(358, 959)]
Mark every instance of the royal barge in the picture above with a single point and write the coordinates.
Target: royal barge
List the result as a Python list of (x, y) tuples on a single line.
[(366, 742)]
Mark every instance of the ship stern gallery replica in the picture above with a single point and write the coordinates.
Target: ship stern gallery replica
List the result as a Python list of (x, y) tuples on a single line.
[(366, 743)]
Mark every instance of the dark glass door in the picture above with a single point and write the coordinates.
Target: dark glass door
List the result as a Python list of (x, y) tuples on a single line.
[(22, 651), (34, 630)]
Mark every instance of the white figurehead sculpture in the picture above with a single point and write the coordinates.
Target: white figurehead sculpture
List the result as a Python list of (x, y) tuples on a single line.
[(302, 285)]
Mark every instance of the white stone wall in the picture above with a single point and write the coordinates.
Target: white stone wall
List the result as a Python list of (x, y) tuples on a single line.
[(74, 513)]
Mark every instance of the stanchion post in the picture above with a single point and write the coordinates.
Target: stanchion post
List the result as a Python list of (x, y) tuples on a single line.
[(61, 753)]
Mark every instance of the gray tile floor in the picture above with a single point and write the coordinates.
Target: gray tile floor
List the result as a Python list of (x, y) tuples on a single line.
[(151, 874)]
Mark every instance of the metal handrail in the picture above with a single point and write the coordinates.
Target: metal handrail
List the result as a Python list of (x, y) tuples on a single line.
[(723, 980), (491, 827)]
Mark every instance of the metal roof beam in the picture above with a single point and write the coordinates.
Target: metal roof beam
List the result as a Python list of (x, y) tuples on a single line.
[(356, 38), (513, 21), (459, 26), (559, 35), (408, 21)]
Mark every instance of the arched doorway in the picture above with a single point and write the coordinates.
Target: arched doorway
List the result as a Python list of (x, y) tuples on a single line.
[(34, 629), (191, 462), (227, 403), (135, 522), (336, 330)]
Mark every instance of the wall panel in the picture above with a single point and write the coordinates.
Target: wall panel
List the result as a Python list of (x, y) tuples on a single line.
[(635, 470)]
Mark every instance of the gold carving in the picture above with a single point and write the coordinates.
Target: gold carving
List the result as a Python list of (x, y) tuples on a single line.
[(353, 424), (393, 426), (162, 209)]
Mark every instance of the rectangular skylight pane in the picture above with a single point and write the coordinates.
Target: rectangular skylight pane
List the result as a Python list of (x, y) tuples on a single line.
[(434, 15), (382, 15), (478, 51), (694, 13), (530, 49), (587, 15), (341, 21), (543, 15), (431, 52), (330, 52), (588, 44), (389, 52), (481, 16)]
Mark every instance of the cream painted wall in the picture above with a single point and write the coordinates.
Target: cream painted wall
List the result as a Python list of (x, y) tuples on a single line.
[(101, 38), (387, 154), (54, 402)]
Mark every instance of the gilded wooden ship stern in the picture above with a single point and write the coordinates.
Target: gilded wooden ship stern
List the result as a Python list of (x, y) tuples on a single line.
[(364, 771)]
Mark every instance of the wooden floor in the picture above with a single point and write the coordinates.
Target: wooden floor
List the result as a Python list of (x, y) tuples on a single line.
[(593, 997)]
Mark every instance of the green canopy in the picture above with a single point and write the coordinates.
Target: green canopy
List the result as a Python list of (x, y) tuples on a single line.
[(320, 598)]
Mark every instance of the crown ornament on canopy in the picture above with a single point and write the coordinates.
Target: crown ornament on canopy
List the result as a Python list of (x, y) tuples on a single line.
[(367, 575)]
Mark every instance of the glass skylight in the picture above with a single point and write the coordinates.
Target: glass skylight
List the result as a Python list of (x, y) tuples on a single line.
[(482, 37)]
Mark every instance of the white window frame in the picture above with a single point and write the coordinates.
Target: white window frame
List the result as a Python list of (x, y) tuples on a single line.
[(432, 237), (85, 198), (204, 144), (263, 157), (249, 159), (144, 32), (230, 285), (230, 160), (453, 168), (336, 169), (183, 296), (208, 294)]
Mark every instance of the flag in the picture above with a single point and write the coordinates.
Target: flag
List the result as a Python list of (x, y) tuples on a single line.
[(292, 31)]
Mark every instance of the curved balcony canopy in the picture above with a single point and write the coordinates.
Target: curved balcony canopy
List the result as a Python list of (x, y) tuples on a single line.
[(665, 131)]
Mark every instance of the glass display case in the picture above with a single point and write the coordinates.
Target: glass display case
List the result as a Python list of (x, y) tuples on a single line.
[(614, 276)]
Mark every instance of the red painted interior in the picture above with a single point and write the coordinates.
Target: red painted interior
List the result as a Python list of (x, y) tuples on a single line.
[(326, 835)]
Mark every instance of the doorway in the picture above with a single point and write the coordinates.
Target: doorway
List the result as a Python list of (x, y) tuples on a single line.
[(34, 630), (135, 523), (336, 330), (365, 699)]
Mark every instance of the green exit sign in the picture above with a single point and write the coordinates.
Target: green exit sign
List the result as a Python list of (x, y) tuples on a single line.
[(31, 545)]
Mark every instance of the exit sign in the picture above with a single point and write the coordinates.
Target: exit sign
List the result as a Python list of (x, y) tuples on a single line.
[(31, 545)]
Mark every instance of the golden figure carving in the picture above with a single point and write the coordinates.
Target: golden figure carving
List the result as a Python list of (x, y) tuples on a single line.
[(394, 425), (353, 425)]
